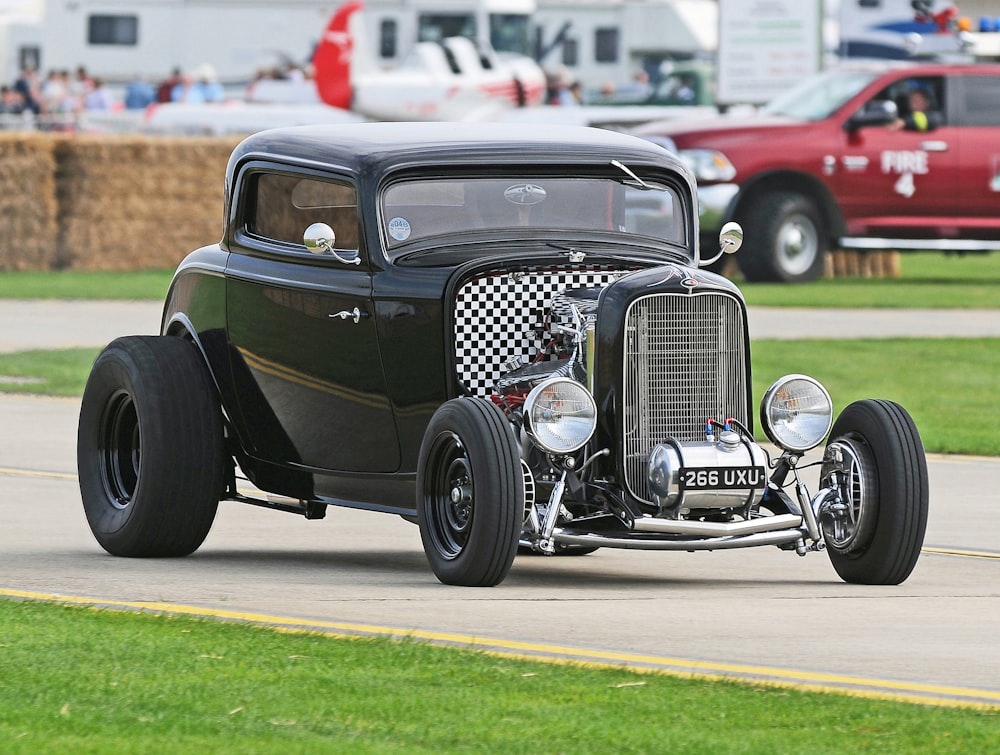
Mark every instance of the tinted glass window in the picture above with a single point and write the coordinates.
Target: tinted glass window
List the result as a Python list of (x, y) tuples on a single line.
[(113, 30), (282, 207), (570, 52), (509, 32), (387, 38), (606, 45), (527, 206), (981, 101), (433, 27)]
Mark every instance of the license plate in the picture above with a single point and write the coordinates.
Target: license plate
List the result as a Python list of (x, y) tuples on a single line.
[(722, 478)]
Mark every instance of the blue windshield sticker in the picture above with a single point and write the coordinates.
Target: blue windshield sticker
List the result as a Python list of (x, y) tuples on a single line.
[(399, 229)]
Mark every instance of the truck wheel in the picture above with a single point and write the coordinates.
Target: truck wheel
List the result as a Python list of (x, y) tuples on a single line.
[(150, 448), (876, 536), (470, 495), (785, 239)]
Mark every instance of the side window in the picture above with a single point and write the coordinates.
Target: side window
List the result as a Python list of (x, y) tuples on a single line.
[(925, 94), (388, 35), (606, 43), (281, 207), (980, 101), (571, 52)]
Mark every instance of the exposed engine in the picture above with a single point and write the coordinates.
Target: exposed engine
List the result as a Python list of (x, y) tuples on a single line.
[(715, 477), (562, 347)]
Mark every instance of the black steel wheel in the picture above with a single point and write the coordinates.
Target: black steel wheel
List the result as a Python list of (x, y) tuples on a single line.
[(150, 448), (876, 460), (470, 495), (785, 238)]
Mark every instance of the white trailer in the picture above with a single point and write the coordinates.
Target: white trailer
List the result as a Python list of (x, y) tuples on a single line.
[(20, 37), (595, 40)]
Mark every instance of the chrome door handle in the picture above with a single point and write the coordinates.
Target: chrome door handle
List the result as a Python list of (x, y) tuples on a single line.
[(352, 314), (934, 146)]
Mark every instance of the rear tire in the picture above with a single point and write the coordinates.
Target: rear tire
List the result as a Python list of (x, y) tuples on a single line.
[(470, 494), (877, 539), (785, 238), (150, 448)]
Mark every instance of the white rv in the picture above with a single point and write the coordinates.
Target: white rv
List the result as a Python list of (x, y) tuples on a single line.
[(20, 37), (594, 40)]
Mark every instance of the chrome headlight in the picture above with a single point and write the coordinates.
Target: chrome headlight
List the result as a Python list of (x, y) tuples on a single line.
[(708, 164), (796, 413), (560, 415)]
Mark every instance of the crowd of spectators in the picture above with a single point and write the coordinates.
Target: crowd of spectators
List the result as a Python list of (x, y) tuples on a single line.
[(58, 100)]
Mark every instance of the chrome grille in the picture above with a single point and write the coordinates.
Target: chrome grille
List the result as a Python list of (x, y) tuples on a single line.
[(684, 362)]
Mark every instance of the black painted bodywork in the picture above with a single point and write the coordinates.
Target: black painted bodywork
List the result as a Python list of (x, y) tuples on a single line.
[(321, 408)]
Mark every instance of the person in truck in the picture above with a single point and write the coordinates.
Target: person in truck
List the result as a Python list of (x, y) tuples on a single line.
[(921, 116)]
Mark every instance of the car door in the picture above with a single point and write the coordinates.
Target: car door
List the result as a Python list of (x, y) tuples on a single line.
[(978, 116), (302, 338), (895, 182)]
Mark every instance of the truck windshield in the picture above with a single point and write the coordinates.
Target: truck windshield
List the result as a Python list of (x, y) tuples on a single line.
[(414, 210), (819, 96)]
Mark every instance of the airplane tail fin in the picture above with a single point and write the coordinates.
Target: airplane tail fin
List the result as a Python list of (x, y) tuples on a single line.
[(332, 59)]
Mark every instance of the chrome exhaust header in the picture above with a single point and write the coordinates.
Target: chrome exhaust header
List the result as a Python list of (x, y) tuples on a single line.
[(717, 529), (779, 537)]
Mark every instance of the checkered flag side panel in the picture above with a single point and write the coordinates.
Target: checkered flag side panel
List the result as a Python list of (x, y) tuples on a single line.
[(499, 316)]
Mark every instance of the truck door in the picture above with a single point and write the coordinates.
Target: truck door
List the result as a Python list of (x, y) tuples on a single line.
[(896, 181)]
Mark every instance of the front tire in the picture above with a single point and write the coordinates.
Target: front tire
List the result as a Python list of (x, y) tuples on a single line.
[(876, 537), (785, 238), (150, 448), (470, 494)]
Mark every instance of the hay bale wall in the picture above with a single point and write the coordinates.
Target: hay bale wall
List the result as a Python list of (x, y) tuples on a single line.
[(133, 203), (28, 210)]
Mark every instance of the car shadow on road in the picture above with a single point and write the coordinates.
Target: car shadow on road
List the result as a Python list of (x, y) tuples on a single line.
[(558, 572)]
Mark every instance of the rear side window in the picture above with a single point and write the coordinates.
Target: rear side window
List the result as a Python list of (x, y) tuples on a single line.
[(280, 208), (980, 101)]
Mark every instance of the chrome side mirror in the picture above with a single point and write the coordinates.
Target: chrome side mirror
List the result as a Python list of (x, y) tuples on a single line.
[(731, 237), (730, 240), (319, 238)]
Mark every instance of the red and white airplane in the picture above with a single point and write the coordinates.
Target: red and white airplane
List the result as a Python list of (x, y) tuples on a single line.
[(450, 80)]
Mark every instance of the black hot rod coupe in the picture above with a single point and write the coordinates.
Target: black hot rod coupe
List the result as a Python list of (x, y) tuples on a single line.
[(500, 333)]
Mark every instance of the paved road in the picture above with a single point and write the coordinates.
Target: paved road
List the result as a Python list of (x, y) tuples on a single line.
[(760, 613), (59, 324)]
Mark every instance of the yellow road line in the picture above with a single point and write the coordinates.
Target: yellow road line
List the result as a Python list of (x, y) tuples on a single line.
[(37, 475), (928, 694), (959, 552)]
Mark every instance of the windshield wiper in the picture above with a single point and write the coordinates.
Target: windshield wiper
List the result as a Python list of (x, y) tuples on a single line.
[(628, 171)]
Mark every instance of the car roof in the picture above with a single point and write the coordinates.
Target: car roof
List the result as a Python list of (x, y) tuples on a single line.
[(374, 148)]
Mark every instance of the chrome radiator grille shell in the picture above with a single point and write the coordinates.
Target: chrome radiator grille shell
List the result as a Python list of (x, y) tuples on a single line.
[(685, 360)]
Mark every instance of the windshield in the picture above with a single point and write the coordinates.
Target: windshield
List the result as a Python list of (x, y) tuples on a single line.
[(819, 96), (419, 209)]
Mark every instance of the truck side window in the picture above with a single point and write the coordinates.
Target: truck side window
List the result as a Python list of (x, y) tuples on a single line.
[(980, 103)]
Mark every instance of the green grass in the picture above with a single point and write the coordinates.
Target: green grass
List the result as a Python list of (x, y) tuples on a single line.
[(61, 372), (144, 284), (928, 280), (86, 681), (922, 374), (949, 386)]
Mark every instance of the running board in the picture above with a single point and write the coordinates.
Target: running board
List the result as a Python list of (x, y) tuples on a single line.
[(914, 245)]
